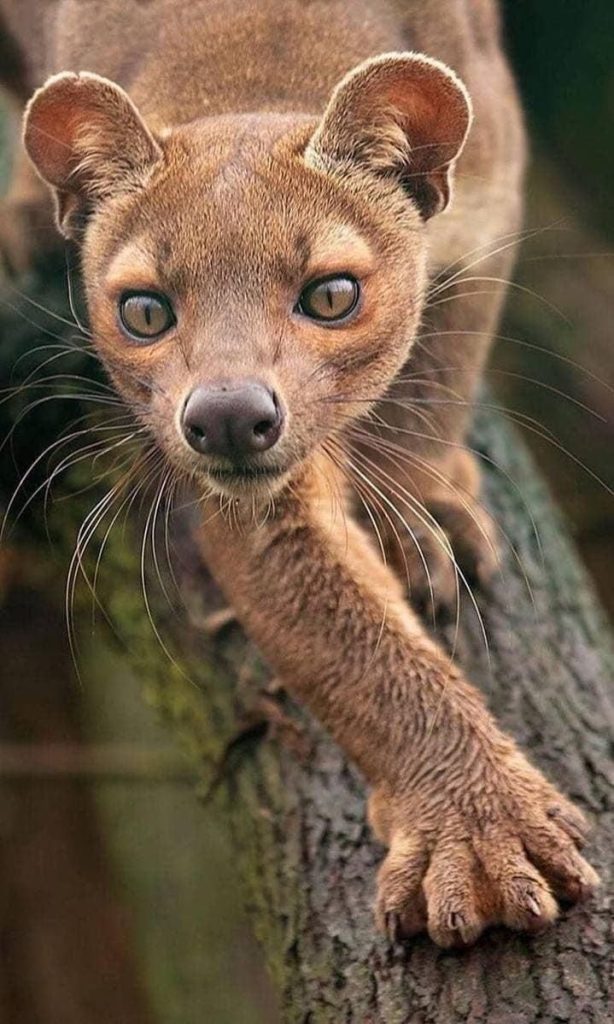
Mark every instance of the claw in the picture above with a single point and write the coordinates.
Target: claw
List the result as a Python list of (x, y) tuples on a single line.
[(392, 925), (456, 921), (216, 622), (464, 932), (534, 906)]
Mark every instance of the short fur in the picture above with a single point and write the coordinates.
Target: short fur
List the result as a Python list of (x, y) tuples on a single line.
[(263, 145)]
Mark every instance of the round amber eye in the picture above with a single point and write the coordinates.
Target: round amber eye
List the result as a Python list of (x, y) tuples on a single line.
[(329, 298), (146, 315)]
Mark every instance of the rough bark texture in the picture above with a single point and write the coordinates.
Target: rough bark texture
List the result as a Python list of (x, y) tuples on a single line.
[(303, 851)]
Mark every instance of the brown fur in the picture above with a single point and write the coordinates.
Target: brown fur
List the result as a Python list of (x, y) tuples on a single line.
[(248, 160)]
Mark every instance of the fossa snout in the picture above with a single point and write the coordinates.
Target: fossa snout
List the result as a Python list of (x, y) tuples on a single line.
[(236, 419)]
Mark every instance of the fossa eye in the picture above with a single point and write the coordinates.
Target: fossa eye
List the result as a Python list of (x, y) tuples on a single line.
[(146, 316), (329, 299)]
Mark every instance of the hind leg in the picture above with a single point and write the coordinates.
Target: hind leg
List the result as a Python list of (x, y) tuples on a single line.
[(417, 453)]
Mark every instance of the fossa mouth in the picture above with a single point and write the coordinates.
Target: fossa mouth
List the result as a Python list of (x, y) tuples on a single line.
[(246, 472), (246, 479)]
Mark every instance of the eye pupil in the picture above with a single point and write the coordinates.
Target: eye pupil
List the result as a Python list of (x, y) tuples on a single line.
[(145, 316), (329, 299)]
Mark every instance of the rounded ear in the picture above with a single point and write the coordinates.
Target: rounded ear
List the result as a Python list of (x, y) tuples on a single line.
[(88, 141), (400, 113)]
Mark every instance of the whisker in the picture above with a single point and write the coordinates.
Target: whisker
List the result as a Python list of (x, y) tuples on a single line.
[(46, 309), (387, 501), (523, 289), (86, 531), (460, 446), (71, 301), (85, 535), (431, 524), (426, 467), (157, 503), (542, 349), (33, 323), (143, 573), (510, 240)]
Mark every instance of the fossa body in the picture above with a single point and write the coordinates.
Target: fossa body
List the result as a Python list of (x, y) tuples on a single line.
[(259, 200)]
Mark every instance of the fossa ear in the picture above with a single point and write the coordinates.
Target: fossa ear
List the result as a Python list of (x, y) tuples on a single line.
[(88, 141), (400, 113)]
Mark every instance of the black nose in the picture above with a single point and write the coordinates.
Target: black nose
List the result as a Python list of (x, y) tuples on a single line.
[(235, 419)]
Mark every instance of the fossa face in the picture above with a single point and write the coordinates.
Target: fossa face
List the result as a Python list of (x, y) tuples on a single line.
[(253, 281)]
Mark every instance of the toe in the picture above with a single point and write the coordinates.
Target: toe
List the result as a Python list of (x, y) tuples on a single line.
[(570, 819), (400, 908), (433, 578), (412, 919), (473, 535), (521, 896), (528, 904), (451, 886), (556, 856)]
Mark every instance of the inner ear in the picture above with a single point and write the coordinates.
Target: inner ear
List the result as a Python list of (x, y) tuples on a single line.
[(87, 140), (403, 114)]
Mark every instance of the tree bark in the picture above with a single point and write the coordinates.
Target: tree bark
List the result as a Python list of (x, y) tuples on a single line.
[(303, 851), (304, 854)]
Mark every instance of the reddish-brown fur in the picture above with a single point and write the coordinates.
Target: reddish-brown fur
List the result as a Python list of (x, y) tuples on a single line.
[(233, 180)]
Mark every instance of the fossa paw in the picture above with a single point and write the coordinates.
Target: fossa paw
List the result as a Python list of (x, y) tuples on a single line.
[(451, 548), (510, 868)]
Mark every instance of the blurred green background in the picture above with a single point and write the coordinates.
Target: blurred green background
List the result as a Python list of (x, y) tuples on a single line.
[(562, 53)]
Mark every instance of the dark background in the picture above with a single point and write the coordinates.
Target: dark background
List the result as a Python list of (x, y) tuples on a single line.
[(562, 53)]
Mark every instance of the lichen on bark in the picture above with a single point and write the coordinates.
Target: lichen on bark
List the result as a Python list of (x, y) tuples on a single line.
[(303, 851), (304, 855)]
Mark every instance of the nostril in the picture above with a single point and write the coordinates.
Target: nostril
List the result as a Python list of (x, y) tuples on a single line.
[(262, 428), (196, 432)]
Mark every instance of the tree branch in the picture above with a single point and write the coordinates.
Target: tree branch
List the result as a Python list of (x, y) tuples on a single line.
[(304, 853)]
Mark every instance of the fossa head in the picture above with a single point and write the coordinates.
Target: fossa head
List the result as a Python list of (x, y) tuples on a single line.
[(254, 280)]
